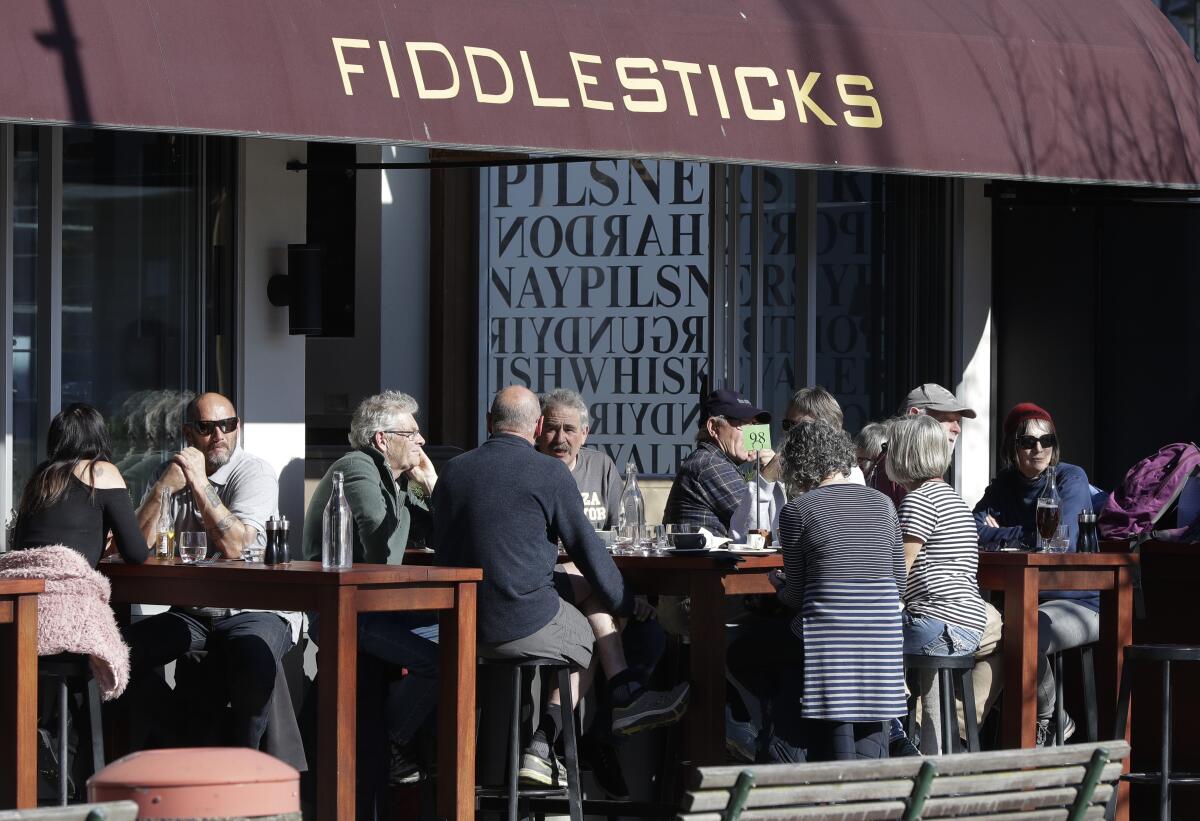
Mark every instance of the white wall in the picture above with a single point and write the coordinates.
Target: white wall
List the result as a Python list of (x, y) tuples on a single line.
[(271, 367), (404, 276), (973, 356)]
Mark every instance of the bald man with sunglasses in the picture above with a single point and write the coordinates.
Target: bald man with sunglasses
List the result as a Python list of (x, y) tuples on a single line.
[(232, 494)]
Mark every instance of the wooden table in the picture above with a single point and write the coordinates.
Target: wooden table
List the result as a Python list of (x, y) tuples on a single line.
[(340, 596), (1020, 577), (18, 692), (708, 580)]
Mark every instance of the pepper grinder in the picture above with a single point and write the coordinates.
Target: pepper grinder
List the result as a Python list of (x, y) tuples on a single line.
[(271, 553), (282, 549)]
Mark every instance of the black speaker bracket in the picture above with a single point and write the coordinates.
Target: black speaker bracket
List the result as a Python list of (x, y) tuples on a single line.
[(279, 290)]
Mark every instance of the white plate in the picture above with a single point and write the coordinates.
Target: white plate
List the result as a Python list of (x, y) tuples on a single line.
[(745, 548)]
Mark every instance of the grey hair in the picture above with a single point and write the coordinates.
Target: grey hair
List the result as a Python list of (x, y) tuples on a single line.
[(814, 450), (566, 399), (918, 450), (376, 413), (869, 442), (518, 416), (702, 434), (818, 403)]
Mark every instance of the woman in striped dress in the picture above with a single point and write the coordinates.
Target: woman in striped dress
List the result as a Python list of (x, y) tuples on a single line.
[(844, 574), (943, 611)]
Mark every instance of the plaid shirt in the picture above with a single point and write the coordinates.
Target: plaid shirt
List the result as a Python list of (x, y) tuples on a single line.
[(707, 491)]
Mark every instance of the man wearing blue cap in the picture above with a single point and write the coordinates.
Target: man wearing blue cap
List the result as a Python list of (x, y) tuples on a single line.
[(709, 489)]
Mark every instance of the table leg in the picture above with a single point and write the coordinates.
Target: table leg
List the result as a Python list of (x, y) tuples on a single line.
[(1116, 633), (1020, 657), (456, 708), (337, 662), (706, 712), (18, 710)]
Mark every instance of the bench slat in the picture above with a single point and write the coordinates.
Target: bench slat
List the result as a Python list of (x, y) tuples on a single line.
[(880, 770), (896, 788), (958, 805), (1094, 813)]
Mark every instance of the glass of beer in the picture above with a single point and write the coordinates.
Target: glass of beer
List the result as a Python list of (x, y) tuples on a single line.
[(1047, 520)]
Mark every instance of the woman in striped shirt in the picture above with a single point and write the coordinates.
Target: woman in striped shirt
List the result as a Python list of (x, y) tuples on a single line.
[(943, 611), (844, 573)]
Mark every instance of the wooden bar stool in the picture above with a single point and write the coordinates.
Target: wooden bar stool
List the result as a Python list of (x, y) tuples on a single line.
[(514, 794), (1162, 655), (951, 671)]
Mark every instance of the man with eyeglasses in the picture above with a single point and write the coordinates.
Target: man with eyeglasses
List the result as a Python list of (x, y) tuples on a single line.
[(709, 489), (227, 493), (388, 480)]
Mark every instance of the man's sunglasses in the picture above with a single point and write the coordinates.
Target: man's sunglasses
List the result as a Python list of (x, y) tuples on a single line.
[(1046, 440), (205, 427)]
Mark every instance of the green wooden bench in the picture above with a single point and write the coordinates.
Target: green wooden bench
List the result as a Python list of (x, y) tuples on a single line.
[(1069, 783), (107, 811)]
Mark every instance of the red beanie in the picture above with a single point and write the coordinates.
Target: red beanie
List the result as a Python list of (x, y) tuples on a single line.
[(1022, 413)]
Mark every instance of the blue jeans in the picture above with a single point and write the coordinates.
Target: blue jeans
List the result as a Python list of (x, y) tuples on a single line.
[(409, 640), (928, 636)]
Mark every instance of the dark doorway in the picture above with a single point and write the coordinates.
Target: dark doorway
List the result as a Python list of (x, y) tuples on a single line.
[(1095, 297)]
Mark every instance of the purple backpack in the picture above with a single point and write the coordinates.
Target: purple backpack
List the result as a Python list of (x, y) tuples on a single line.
[(1150, 489)]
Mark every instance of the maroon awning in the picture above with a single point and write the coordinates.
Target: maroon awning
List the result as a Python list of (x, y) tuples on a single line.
[(1092, 90)]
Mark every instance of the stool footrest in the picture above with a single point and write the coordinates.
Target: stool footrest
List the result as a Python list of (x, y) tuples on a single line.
[(1152, 777), (523, 792)]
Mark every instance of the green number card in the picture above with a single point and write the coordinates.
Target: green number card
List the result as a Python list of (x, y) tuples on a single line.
[(756, 437)]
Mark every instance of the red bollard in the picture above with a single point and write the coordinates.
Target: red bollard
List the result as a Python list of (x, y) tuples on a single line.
[(201, 782)]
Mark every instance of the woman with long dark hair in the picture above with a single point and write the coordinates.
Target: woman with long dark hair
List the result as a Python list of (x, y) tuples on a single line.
[(77, 496)]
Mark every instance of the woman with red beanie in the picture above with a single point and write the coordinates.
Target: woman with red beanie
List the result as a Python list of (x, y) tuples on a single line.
[(1029, 451)]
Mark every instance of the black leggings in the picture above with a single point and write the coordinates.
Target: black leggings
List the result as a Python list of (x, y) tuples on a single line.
[(813, 739)]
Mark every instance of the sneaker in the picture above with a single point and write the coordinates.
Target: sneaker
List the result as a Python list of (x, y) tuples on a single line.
[(537, 771), (741, 739), (602, 760), (1047, 731), (903, 747), (404, 768), (651, 708)]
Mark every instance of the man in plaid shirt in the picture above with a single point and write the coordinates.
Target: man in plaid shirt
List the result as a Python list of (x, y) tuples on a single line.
[(708, 488)]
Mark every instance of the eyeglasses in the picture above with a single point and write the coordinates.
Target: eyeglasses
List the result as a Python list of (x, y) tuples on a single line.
[(410, 435), (205, 427), (1046, 440)]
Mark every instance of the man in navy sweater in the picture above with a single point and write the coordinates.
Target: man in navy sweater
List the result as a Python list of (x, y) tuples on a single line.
[(505, 507)]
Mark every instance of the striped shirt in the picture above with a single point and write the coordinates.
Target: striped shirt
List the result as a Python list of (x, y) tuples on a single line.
[(845, 570), (943, 582)]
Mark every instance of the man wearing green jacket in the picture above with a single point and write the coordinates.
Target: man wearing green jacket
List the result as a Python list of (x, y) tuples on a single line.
[(388, 480)]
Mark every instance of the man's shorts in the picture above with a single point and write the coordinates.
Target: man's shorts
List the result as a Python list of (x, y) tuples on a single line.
[(567, 636)]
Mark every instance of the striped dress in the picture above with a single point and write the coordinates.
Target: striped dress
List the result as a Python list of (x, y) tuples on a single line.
[(845, 574)]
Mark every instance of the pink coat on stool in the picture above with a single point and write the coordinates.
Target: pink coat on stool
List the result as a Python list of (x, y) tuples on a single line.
[(73, 614)]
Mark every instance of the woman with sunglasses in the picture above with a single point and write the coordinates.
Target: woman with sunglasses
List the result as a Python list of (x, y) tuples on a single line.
[(77, 496), (1029, 451)]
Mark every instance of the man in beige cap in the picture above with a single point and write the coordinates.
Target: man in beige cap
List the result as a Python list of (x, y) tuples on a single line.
[(932, 400)]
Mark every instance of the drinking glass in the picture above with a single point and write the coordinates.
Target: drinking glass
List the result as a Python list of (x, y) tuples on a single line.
[(252, 551), (1060, 542), (653, 543), (193, 545), (627, 540)]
